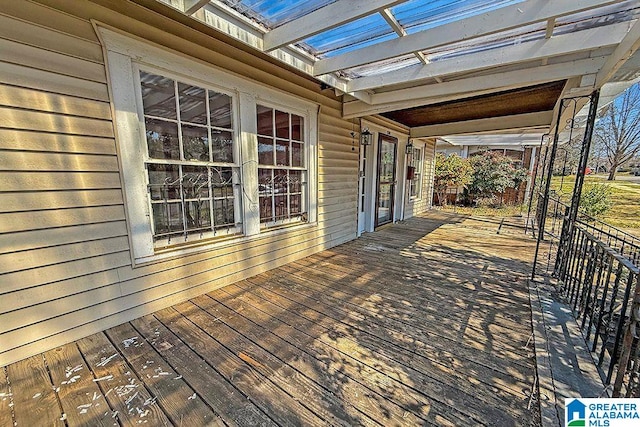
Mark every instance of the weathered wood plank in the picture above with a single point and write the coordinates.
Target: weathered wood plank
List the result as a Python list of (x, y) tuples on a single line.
[(421, 299), (27, 140), (6, 416), (352, 392), (277, 404), (323, 403), (437, 377), (174, 395), (234, 407), (400, 404), (82, 401), (131, 401), (34, 400), (448, 402), (444, 390), (417, 309)]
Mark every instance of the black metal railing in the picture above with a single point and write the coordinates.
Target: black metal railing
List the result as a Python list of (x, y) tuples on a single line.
[(602, 285)]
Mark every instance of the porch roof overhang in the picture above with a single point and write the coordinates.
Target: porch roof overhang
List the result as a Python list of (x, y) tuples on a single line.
[(442, 68)]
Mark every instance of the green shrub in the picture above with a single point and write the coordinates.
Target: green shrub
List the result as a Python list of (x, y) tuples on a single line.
[(595, 199)]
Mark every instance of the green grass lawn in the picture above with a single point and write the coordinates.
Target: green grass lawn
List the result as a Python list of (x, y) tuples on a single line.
[(625, 212)]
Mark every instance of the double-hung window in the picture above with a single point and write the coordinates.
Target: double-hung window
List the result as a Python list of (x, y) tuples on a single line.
[(191, 173), (282, 175), (207, 157), (415, 184)]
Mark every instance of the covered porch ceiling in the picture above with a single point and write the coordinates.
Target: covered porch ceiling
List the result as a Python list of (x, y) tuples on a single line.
[(443, 67)]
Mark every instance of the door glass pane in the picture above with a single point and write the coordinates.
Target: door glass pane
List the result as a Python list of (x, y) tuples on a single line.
[(384, 203), (387, 161), (386, 181)]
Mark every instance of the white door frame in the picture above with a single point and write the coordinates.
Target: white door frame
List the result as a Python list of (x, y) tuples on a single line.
[(368, 184)]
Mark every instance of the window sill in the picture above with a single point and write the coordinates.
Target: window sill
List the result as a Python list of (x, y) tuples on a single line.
[(187, 249)]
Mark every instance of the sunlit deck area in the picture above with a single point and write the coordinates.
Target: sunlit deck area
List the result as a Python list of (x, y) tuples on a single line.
[(426, 322)]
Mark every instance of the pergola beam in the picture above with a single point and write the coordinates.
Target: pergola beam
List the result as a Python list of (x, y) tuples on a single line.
[(192, 6), (625, 50), (520, 121), (323, 19), (502, 19), (590, 39), (472, 86)]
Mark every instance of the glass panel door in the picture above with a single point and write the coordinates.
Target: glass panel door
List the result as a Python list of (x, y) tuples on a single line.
[(387, 150)]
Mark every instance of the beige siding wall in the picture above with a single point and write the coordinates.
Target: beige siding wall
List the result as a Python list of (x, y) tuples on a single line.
[(65, 266), (423, 203)]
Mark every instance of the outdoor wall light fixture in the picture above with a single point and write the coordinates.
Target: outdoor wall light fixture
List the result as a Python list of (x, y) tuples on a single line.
[(366, 137), (409, 148)]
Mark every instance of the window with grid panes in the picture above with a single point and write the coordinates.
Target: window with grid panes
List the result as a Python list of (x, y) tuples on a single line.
[(415, 184), (190, 165), (282, 173)]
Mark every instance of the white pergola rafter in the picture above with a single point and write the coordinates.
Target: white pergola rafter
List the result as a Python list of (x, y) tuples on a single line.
[(472, 86), (627, 47), (192, 6), (580, 41), (323, 19), (400, 31), (506, 18)]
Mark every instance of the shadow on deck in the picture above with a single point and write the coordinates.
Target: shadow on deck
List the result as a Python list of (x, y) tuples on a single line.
[(426, 322)]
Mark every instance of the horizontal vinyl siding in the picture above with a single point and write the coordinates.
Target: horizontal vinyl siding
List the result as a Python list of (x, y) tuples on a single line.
[(65, 265)]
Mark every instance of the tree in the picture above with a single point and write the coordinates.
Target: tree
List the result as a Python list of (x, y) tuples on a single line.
[(493, 173), (452, 171), (617, 131)]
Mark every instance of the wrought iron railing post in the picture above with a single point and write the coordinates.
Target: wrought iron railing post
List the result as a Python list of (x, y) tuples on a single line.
[(547, 187), (632, 332)]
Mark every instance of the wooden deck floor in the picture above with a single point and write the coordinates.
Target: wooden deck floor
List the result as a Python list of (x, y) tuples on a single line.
[(426, 322)]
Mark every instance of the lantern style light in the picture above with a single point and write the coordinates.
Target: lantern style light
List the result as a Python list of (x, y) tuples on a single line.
[(366, 137)]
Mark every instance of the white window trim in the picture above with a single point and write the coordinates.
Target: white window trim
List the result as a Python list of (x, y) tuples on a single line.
[(123, 55), (418, 197)]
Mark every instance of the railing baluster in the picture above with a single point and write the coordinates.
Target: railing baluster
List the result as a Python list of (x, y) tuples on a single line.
[(603, 299), (619, 331)]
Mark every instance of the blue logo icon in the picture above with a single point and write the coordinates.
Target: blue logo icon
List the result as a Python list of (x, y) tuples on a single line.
[(576, 414)]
